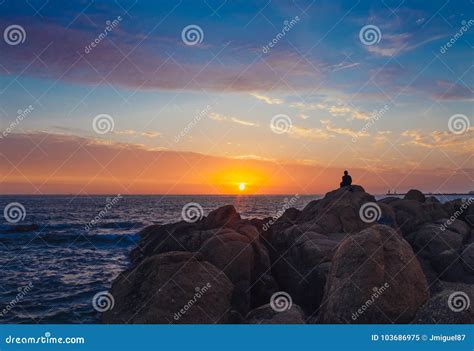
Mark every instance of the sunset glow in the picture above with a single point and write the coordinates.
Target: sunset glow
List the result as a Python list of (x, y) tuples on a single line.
[(231, 110)]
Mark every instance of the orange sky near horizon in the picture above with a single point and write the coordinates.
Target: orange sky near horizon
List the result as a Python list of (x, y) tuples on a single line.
[(65, 164)]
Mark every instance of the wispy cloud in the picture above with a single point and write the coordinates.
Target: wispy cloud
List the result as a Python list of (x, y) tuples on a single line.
[(309, 133), (395, 44), (266, 99), (336, 110), (343, 131), (148, 134), (222, 118)]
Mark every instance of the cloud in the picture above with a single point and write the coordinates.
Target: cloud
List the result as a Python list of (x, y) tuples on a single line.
[(268, 100), (221, 118), (118, 60), (463, 143), (343, 131), (344, 65), (69, 164), (148, 134), (308, 133), (446, 90), (395, 44), (336, 110)]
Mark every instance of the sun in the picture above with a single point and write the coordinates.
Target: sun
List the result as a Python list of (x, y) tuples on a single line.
[(242, 186)]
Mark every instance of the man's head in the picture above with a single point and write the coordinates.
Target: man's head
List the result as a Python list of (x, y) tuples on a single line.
[(346, 172)]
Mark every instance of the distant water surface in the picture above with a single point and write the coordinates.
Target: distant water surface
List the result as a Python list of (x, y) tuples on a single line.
[(66, 260)]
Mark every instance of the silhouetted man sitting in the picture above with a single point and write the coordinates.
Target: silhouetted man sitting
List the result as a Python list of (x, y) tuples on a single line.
[(346, 179)]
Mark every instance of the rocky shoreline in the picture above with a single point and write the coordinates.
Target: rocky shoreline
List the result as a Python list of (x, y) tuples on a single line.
[(345, 258)]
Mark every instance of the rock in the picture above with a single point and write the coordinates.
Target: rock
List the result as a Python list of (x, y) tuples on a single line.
[(388, 200), (338, 211), (225, 216), (156, 239), (409, 215), (431, 275), (416, 195), (457, 226), (467, 258), (431, 240), (245, 261), (448, 265), (432, 199), (437, 310), (175, 287), (374, 267), (461, 209), (434, 211), (267, 315), (296, 265)]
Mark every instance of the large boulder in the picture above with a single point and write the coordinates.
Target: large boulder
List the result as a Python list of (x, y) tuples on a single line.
[(376, 277), (431, 240), (339, 211), (416, 195), (225, 216), (247, 264), (175, 287), (228, 242), (300, 267), (267, 315), (450, 306), (467, 258), (409, 215)]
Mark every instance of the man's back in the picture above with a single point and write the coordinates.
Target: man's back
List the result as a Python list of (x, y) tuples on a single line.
[(346, 180)]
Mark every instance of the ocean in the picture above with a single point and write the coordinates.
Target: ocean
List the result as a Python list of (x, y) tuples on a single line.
[(68, 248)]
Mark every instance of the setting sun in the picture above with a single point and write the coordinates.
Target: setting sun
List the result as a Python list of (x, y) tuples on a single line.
[(242, 186)]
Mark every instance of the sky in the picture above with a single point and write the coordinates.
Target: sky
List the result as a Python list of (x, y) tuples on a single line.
[(199, 97)]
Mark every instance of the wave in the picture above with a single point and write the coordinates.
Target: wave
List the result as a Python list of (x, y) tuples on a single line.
[(73, 238)]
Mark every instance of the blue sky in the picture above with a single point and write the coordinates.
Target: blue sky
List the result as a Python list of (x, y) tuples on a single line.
[(319, 73)]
